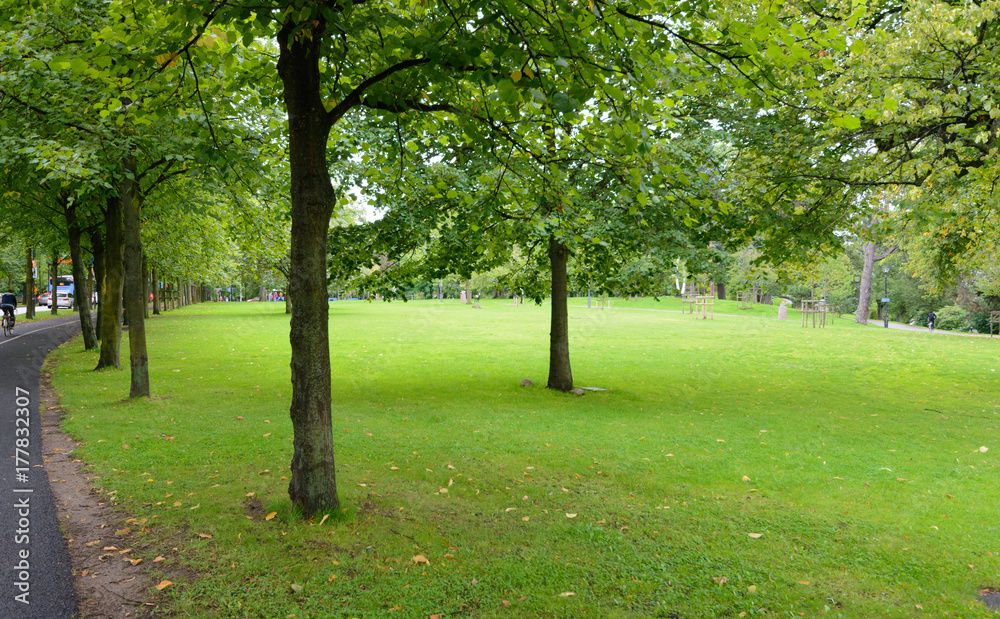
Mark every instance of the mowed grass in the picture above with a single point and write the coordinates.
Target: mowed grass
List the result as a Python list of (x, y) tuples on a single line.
[(739, 466)]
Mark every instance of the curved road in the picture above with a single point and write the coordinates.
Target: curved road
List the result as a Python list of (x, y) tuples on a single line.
[(35, 579)]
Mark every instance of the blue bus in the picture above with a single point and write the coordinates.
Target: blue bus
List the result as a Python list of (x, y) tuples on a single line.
[(64, 283)]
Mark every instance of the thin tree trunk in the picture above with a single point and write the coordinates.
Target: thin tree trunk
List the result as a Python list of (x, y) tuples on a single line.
[(29, 287), (865, 291), (560, 373), (313, 484), (155, 277), (97, 243), (54, 279), (145, 287), (81, 291), (111, 291), (135, 299)]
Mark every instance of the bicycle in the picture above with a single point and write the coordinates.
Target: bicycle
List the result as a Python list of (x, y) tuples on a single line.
[(8, 326)]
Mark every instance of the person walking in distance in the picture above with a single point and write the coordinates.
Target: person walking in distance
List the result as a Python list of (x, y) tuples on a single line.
[(930, 320)]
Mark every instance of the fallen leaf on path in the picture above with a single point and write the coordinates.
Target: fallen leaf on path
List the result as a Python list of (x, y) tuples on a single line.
[(158, 559)]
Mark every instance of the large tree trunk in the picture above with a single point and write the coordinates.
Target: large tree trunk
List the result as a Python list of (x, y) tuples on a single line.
[(29, 286), (97, 243), (81, 291), (135, 285), (111, 290), (313, 483), (560, 374)]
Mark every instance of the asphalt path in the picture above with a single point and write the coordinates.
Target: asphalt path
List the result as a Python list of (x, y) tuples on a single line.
[(35, 579)]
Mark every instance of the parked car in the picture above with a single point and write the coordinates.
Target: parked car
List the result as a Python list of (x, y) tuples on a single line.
[(64, 299), (45, 299)]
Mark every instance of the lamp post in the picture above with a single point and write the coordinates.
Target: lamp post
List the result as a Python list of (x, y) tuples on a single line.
[(885, 300)]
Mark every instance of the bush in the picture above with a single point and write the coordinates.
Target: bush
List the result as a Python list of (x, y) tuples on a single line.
[(952, 318)]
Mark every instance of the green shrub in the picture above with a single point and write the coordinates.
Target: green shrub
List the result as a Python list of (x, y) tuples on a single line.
[(952, 318)]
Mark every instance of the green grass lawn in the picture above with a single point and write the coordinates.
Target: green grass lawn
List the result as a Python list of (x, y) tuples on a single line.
[(734, 467)]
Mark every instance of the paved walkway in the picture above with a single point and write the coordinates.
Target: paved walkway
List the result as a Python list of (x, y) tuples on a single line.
[(35, 580)]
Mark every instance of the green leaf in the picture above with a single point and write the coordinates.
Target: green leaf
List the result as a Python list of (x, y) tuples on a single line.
[(858, 47), (890, 104)]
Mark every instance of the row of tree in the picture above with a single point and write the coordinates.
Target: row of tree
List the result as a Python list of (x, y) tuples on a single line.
[(606, 138)]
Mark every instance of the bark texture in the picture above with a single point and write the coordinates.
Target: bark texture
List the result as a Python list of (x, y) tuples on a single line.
[(313, 484), (111, 290), (82, 292), (560, 373), (29, 288), (97, 245), (135, 285)]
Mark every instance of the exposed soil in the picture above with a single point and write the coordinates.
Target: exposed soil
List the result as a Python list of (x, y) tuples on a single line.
[(107, 584)]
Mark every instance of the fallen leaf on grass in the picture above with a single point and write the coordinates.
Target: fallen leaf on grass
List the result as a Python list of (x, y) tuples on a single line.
[(525, 519), (566, 594), (297, 588), (804, 582), (745, 478), (720, 579), (163, 585), (270, 516), (901, 479), (571, 515), (205, 535), (158, 559), (983, 449), (325, 516), (755, 535), (719, 440), (506, 603), (418, 559), (752, 589)]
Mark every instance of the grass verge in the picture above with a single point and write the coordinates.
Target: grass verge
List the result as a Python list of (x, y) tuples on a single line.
[(739, 466)]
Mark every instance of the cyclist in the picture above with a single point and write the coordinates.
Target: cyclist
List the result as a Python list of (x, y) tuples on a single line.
[(8, 302)]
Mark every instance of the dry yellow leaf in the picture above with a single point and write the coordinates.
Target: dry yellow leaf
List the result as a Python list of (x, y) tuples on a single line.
[(270, 516), (745, 478), (158, 559), (205, 535), (571, 515), (566, 594), (804, 582), (163, 585), (418, 559), (755, 535)]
